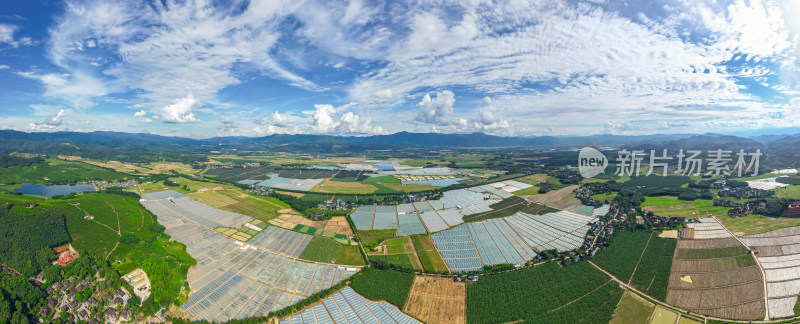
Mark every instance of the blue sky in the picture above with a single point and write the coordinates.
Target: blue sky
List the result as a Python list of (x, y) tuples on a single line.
[(220, 68)]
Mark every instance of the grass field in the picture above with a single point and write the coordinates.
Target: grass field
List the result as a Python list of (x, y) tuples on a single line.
[(632, 309), (605, 196), (672, 207), (395, 245), (375, 236), (350, 255), (403, 260), (663, 316), (344, 187), (381, 179), (533, 179), (755, 224), (321, 249), (790, 192)]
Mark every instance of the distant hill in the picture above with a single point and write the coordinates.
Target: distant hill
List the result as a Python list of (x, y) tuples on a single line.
[(138, 146)]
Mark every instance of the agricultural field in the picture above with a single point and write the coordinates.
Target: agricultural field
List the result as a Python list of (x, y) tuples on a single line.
[(375, 236), (670, 206), (605, 196), (57, 172), (663, 315), (336, 227), (397, 251), (344, 187), (755, 224), (533, 180), (715, 276), (575, 293), (632, 309), (437, 300), (426, 251), (233, 199), (622, 256), (321, 249), (506, 207), (239, 174), (778, 256), (389, 285), (560, 198), (350, 255), (641, 259)]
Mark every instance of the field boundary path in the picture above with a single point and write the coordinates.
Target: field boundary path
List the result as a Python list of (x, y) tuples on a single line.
[(408, 242)]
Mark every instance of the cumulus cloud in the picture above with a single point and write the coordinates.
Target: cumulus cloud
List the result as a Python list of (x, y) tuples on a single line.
[(180, 111), (351, 123), (437, 110), (140, 113), (280, 120), (277, 123), (49, 123), (327, 119), (323, 119)]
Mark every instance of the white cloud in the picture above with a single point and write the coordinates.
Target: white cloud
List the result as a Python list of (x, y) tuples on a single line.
[(280, 120), (568, 65), (323, 119), (78, 89), (49, 123), (170, 49), (227, 126), (7, 32), (180, 111), (352, 124), (437, 111), (140, 113)]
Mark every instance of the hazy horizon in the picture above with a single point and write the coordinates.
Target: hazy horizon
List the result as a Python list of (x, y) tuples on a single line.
[(355, 68)]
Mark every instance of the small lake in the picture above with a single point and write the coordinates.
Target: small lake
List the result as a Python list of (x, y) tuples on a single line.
[(53, 190)]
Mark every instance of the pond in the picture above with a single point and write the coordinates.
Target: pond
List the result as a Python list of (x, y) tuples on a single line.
[(53, 190)]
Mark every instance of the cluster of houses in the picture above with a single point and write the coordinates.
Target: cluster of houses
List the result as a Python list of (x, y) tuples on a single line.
[(115, 184), (744, 192), (68, 303)]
